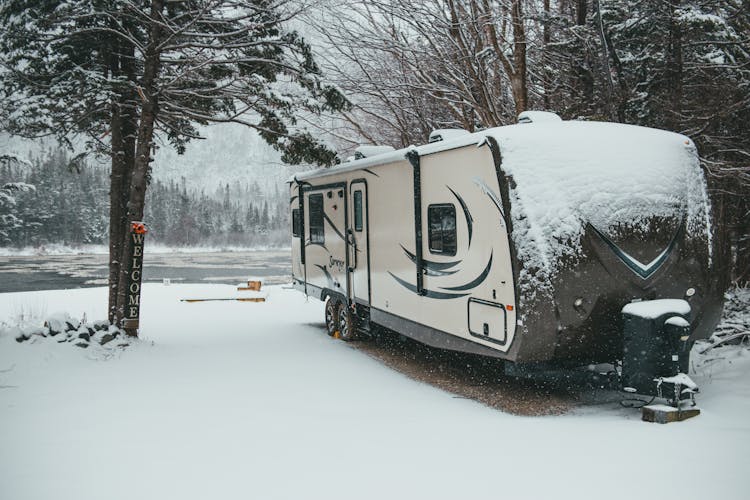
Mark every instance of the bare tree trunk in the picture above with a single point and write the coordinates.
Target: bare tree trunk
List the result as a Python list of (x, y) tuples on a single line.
[(144, 144), (515, 69), (582, 82), (518, 78), (116, 210), (121, 63), (546, 39), (458, 33), (610, 86), (674, 67), (581, 12)]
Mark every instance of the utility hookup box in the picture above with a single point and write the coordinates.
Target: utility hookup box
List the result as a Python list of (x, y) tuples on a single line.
[(655, 345)]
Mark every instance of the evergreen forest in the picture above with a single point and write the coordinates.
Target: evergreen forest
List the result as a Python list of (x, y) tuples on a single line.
[(65, 202)]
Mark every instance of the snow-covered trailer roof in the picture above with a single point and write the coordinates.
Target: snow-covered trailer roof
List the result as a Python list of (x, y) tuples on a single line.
[(570, 173)]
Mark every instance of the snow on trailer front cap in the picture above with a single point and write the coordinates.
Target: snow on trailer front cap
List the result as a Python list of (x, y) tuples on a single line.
[(573, 175)]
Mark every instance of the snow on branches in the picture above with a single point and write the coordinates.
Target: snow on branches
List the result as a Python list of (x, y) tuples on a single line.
[(70, 63)]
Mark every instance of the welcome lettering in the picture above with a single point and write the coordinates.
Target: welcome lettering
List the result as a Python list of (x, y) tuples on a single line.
[(132, 312)]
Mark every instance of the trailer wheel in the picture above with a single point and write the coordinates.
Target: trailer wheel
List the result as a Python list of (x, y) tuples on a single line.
[(332, 316), (347, 326)]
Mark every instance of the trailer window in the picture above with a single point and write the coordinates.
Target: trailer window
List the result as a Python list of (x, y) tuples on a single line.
[(296, 223), (317, 231), (442, 228), (358, 210)]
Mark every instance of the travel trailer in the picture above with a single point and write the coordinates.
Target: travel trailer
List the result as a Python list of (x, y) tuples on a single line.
[(530, 242)]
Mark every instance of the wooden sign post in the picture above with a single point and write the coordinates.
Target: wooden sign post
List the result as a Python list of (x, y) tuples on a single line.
[(133, 305)]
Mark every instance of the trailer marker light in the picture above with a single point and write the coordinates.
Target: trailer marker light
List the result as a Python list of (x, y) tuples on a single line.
[(509, 308)]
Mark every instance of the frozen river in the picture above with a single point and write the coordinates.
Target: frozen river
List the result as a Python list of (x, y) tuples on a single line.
[(49, 272)]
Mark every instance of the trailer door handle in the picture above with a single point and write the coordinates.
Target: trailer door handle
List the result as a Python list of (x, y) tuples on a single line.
[(353, 243)]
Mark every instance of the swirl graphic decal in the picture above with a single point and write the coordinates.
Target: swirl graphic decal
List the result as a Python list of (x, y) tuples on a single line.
[(427, 293), (433, 268), (473, 283), (467, 214)]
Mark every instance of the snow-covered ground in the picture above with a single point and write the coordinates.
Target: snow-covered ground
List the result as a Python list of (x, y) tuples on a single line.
[(239, 400)]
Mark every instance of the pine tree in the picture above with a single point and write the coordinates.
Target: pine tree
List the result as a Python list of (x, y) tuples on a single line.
[(134, 69)]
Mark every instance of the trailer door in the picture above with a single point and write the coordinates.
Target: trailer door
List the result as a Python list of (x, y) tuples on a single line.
[(297, 219), (359, 243)]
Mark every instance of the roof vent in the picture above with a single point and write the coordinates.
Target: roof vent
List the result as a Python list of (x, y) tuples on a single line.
[(446, 134), (538, 117), (368, 151)]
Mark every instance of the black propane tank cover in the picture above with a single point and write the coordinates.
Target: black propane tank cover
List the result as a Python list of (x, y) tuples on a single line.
[(677, 331), (652, 342)]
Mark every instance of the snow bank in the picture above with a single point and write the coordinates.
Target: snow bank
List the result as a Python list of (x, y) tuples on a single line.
[(63, 329), (235, 400)]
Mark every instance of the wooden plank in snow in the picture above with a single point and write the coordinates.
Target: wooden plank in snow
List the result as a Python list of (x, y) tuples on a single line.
[(663, 414)]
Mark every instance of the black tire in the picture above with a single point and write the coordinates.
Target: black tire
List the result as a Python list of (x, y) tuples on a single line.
[(332, 316), (347, 324)]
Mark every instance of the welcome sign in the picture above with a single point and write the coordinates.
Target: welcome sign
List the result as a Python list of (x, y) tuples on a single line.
[(135, 275)]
